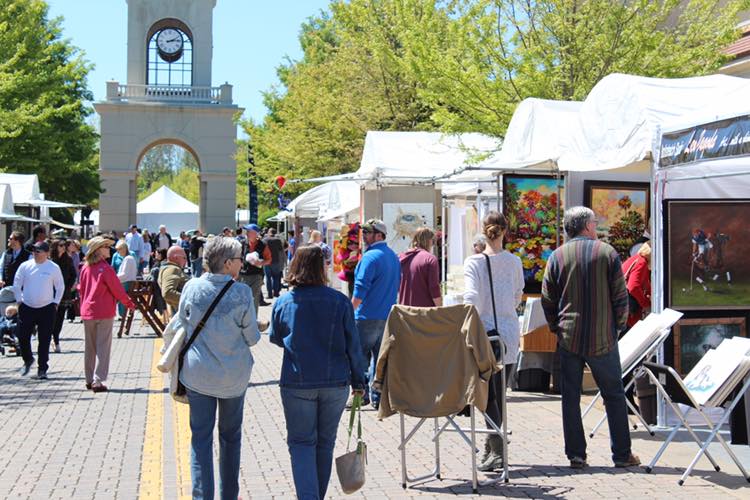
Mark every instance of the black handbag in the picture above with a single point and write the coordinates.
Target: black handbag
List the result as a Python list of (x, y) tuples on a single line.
[(181, 391)]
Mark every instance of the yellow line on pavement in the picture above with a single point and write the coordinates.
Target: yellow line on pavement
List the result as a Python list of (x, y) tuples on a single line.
[(182, 437), (152, 463)]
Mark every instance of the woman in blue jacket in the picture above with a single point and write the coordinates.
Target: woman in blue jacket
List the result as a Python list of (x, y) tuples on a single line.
[(322, 358)]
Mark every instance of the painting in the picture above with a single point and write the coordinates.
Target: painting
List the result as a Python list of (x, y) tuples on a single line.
[(621, 209), (530, 204), (403, 220), (707, 267), (693, 338)]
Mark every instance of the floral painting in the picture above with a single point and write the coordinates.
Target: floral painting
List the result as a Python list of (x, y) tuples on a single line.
[(530, 205), (621, 210)]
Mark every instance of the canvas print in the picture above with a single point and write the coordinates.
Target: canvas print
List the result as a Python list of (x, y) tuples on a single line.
[(403, 220), (693, 338), (621, 210), (530, 205), (707, 244)]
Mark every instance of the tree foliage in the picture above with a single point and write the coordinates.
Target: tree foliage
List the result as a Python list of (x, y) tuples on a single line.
[(463, 66), (43, 127), (171, 166)]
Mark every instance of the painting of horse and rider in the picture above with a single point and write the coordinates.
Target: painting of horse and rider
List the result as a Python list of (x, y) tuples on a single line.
[(708, 259)]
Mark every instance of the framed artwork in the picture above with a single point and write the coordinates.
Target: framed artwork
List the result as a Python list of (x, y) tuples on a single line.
[(622, 211), (403, 220), (530, 203), (706, 249), (693, 338)]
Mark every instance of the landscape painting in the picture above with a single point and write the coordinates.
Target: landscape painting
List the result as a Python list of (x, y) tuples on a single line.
[(621, 209), (530, 203), (707, 264)]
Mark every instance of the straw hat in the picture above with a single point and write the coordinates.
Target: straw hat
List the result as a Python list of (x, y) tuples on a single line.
[(96, 243)]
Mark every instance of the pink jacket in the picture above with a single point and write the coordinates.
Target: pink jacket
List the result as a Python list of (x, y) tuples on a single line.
[(99, 290)]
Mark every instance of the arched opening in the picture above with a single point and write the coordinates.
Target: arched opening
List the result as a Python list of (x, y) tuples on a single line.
[(168, 187)]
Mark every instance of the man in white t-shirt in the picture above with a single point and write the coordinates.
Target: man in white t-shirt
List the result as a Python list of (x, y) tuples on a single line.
[(39, 287)]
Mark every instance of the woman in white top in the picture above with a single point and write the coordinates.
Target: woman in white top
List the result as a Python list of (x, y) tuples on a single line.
[(507, 287), (127, 271)]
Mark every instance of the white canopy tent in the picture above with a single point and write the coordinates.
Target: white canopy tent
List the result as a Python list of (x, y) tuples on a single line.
[(164, 206), (7, 212), (324, 202), (25, 191)]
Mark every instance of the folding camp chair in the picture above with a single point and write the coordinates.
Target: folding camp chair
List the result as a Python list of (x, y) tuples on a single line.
[(626, 370), (671, 387), (450, 425)]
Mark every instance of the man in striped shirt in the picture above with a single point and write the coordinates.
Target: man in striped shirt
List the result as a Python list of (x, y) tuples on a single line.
[(586, 305)]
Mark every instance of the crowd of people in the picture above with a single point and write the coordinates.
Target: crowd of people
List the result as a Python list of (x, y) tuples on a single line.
[(213, 287)]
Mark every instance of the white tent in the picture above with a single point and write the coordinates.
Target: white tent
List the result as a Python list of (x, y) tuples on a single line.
[(25, 190), (324, 202), (164, 206), (7, 212)]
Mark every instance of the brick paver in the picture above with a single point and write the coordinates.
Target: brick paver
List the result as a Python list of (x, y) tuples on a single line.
[(61, 441)]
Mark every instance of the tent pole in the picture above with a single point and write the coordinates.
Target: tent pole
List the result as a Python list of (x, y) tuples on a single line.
[(443, 242), (559, 193), (497, 185)]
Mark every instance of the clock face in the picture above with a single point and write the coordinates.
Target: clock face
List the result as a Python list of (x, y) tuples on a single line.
[(169, 41)]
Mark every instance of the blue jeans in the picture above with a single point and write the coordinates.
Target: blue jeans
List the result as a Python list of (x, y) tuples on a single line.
[(608, 376), (197, 267), (370, 335), (202, 420), (273, 279), (312, 417)]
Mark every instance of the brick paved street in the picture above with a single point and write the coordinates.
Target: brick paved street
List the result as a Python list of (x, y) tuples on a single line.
[(61, 441)]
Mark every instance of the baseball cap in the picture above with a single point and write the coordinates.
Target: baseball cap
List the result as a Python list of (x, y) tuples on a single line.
[(41, 246), (375, 225), (252, 227)]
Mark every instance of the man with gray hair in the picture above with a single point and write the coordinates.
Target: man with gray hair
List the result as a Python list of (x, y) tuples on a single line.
[(586, 305), (172, 276)]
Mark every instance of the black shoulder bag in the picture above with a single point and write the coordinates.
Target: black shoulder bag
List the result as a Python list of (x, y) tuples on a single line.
[(180, 391), (495, 332)]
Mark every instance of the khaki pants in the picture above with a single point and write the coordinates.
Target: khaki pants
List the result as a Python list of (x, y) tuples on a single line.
[(97, 348), (255, 282)]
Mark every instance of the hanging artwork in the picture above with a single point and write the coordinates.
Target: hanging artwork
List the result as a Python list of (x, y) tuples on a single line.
[(693, 338), (621, 209), (706, 259), (403, 220), (530, 205)]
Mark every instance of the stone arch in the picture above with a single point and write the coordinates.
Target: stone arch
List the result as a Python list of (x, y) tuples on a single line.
[(168, 21), (151, 143)]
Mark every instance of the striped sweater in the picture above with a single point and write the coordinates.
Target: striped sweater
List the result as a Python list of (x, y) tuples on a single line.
[(584, 296)]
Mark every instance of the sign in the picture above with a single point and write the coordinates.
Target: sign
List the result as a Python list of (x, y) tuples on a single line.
[(721, 139)]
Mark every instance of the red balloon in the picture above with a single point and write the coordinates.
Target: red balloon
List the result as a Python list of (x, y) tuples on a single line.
[(280, 181)]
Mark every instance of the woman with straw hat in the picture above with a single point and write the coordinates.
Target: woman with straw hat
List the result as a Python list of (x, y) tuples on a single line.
[(99, 290)]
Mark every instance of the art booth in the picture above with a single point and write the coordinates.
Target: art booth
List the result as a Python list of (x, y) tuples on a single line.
[(701, 181)]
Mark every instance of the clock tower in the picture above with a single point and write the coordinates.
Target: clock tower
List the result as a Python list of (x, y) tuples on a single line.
[(168, 99)]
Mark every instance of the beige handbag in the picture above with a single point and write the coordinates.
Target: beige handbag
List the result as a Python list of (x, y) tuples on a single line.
[(350, 467), (174, 339)]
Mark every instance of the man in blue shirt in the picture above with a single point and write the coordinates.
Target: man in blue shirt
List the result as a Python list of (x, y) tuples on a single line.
[(376, 281)]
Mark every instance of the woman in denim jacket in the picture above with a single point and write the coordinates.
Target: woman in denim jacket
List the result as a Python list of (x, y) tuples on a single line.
[(217, 366), (322, 358)]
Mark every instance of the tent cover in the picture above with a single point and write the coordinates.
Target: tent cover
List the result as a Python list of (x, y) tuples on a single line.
[(7, 212), (164, 206), (324, 202)]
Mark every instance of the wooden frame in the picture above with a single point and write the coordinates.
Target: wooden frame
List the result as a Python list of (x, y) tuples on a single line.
[(678, 332)]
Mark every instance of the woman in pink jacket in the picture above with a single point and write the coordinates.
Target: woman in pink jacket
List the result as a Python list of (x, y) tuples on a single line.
[(99, 290)]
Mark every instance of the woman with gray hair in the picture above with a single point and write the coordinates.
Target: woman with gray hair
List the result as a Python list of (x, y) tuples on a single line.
[(216, 366)]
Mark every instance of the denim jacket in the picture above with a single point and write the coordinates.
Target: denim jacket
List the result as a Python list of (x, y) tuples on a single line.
[(219, 362), (315, 326)]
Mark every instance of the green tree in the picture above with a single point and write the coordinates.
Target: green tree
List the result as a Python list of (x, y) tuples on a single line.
[(43, 127), (476, 59), (351, 79)]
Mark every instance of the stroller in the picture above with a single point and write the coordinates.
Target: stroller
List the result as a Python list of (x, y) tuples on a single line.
[(8, 326)]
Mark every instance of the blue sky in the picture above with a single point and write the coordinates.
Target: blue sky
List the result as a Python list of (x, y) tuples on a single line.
[(251, 38)]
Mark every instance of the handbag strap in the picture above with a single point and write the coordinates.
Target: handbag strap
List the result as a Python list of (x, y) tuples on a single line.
[(356, 409), (492, 290), (203, 320), (632, 265)]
